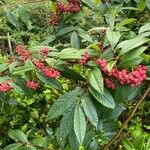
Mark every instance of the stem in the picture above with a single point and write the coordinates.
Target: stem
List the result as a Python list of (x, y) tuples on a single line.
[(128, 119), (148, 79), (9, 44)]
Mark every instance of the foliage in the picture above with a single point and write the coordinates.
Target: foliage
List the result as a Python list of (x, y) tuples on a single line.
[(74, 77)]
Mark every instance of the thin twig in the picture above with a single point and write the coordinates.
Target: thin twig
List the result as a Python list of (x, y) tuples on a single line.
[(148, 79), (9, 44), (128, 119)]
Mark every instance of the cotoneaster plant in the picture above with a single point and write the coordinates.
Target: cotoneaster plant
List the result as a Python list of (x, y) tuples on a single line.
[(106, 70)]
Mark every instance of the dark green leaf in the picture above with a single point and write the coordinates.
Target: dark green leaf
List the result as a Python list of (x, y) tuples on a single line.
[(113, 37), (79, 124), (89, 110), (131, 62), (12, 18), (105, 99), (66, 123), (62, 104), (131, 44), (75, 42), (65, 30), (69, 73), (96, 80), (49, 81)]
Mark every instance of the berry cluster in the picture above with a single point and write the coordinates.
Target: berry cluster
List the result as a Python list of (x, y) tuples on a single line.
[(5, 87), (133, 78), (54, 21), (32, 84), (70, 7), (44, 51), (25, 54), (109, 83), (48, 71), (85, 58)]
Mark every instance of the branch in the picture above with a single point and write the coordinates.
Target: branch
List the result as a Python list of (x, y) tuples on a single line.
[(148, 79), (128, 119), (9, 44)]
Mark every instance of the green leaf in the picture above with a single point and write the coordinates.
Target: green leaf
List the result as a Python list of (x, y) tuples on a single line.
[(134, 53), (127, 144), (90, 4), (148, 4), (24, 16), (70, 53), (105, 99), (49, 81), (75, 42), (3, 67), (17, 135), (86, 37), (111, 64), (12, 18), (23, 69), (135, 91), (113, 37), (69, 73), (66, 124), (12, 66), (131, 62), (48, 40), (79, 124), (139, 142), (89, 110), (64, 31), (144, 28), (128, 45), (40, 141), (125, 22), (14, 146), (62, 104), (117, 111), (96, 80)]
